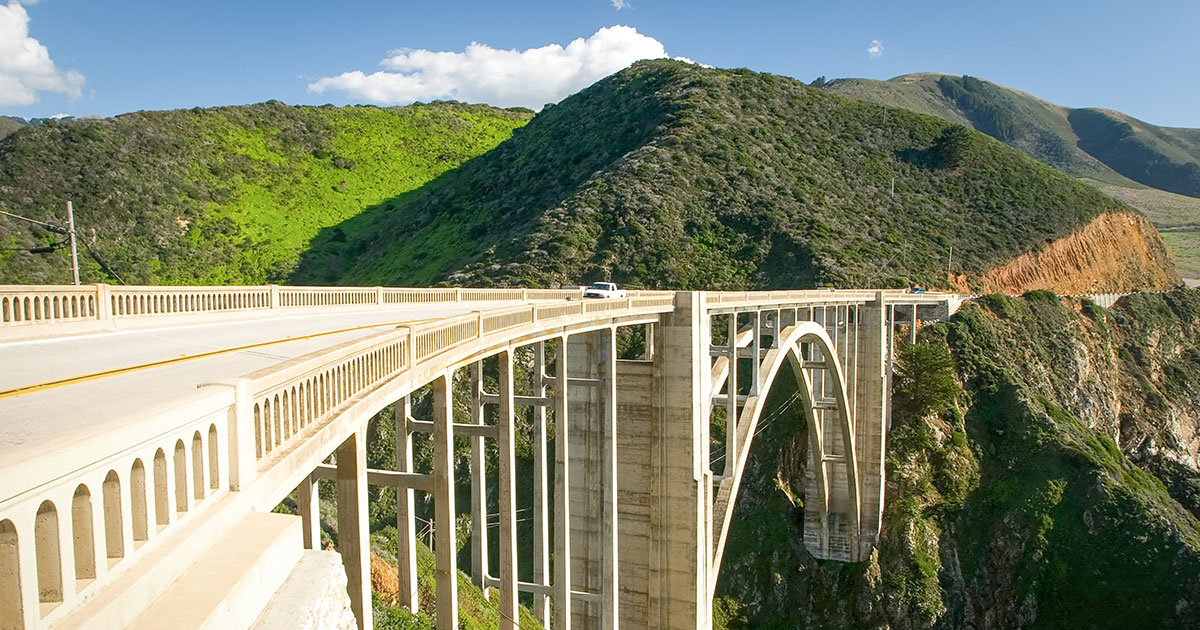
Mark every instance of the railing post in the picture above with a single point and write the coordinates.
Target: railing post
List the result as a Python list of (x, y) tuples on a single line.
[(242, 456), (103, 302), (274, 288), (379, 296)]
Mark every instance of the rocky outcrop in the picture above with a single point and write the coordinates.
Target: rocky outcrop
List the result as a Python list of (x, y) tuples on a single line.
[(1116, 252)]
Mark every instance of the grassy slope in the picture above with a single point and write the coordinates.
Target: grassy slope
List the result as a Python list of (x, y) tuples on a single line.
[(224, 195), (1004, 509), (669, 174)]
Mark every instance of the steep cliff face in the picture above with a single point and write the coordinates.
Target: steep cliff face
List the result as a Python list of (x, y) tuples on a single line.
[(1116, 252), (1056, 476)]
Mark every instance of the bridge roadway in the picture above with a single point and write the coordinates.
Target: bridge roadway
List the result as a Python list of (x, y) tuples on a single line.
[(140, 497), (99, 397)]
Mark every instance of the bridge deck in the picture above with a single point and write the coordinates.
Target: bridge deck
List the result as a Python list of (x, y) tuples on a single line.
[(58, 409)]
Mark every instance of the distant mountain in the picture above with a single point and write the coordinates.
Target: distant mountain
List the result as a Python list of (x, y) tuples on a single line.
[(222, 195), (668, 174), (1156, 169), (9, 124), (1097, 143)]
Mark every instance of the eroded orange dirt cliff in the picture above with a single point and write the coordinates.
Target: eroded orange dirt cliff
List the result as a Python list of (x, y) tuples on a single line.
[(1117, 252)]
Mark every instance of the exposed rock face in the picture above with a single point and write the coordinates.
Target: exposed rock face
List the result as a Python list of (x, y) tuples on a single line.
[(1116, 252)]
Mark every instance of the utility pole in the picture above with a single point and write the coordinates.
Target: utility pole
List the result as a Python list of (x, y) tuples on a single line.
[(71, 237), (949, 262), (893, 191)]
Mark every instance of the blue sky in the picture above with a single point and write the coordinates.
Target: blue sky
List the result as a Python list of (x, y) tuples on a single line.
[(86, 57)]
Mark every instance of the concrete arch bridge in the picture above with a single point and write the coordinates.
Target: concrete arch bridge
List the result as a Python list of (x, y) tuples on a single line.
[(146, 433)]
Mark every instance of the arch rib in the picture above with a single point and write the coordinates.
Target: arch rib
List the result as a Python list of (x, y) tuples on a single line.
[(788, 349)]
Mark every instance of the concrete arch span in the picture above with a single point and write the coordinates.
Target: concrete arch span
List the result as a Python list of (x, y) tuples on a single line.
[(810, 352)]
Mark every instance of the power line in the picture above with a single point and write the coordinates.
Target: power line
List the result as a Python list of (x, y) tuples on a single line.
[(48, 226)]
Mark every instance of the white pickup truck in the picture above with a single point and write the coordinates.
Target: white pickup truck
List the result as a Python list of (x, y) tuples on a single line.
[(603, 290)]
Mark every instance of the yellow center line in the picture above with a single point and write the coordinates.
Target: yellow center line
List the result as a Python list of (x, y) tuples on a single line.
[(37, 387)]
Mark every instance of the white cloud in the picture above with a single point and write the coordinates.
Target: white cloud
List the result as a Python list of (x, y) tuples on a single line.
[(25, 64), (529, 78), (876, 49), (620, 4)]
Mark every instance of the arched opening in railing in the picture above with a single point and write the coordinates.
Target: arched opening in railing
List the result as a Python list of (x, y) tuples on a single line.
[(137, 502), (83, 534), (114, 528), (49, 556), (11, 613), (181, 477), (162, 493), (214, 472), (197, 467)]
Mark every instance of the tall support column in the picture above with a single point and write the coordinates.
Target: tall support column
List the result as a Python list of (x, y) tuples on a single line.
[(756, 343), (406, 526), (731, 402), (506, 429), (681, 528), (562, 487), (479, 504), (610, 590), (871, 425), (541, 505), (446, 572), (308, 503), (353, 533), (585, 463)]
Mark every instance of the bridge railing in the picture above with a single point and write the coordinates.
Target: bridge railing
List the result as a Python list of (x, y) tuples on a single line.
[(48, 310), (310, 389)]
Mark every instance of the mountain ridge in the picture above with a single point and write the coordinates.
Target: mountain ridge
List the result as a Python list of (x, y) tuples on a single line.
[(685, 177)]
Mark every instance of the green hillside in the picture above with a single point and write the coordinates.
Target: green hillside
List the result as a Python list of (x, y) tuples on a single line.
[(222, 195), (669, 174)]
